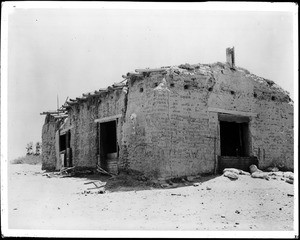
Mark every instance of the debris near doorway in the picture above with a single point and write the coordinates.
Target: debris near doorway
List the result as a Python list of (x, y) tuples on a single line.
[(67, 172), (97, 184), (101, 170), (233, 173), (257, 173), (276, 175), (236, 171)]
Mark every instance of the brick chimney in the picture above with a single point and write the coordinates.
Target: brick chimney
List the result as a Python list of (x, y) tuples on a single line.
[(230, 57)]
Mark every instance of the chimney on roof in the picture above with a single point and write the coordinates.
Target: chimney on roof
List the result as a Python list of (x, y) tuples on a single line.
[(230, 57)]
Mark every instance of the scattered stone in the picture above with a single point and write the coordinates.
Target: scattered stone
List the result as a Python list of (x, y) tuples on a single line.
[(174, 194), (237, 212), (244, 173), (290, 195), (253, 168), (290, 181), (208, 188), (101, 191), (233, 170), (15, 209), (280, 209), (222, 216), (196, 184), (277, 174), (260, 175), (237, 223), (289, 175), (231, 175)]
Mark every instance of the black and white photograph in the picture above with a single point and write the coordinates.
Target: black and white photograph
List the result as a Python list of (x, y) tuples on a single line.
[(144, 119)]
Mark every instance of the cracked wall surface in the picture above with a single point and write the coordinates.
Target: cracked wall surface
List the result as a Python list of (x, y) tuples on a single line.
[(169, 124), (50, 127), (175, 133), (84, 132)]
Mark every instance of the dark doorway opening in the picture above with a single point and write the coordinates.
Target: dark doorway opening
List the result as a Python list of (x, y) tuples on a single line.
[(234, 139), (108, 142), (65, 149)]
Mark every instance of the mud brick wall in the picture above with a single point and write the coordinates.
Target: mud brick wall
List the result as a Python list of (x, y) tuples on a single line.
[(169, 130), (272, 130), (48, 143), (84, 132), (170, 135)]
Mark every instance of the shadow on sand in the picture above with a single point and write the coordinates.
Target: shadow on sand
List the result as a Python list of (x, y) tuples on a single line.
[(131, 182)]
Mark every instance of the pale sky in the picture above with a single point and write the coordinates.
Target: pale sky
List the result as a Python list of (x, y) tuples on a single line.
[(67, 52)]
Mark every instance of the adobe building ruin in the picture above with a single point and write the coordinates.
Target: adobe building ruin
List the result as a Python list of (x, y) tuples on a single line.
[(174, 121)]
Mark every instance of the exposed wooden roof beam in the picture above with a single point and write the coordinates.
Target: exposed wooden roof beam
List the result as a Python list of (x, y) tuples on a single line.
[(52, 112), (150, 70)]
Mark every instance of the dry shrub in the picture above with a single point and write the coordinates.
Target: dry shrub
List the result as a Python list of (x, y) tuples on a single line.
[(28, 159)]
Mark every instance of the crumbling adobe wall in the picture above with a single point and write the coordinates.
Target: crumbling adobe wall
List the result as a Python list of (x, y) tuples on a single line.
[(170, 129), (170, 135), (84, 132), (272, 130), (48, 143)]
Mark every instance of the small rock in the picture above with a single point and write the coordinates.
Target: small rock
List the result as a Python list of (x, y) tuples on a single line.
[(237, 223), (233, 170), (288, 175), (290, 195), (196, 184), (58, 208), (290, 181), (222, 216), (208, 188), (174, 194), (15, 209), (231, 175), (244, 173), (237, 212), (101, 191), (253, 168)]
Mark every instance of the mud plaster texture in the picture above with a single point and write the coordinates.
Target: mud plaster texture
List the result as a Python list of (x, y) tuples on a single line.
[(50, 127), (169, 127)]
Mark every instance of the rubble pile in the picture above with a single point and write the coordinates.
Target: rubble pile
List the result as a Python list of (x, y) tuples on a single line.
[(273, 173)]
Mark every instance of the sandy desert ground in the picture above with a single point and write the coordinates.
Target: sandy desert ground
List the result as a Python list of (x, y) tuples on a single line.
[(37, 201)]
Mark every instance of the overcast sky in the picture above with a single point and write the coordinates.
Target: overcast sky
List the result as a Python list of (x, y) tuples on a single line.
[(67, 52)]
